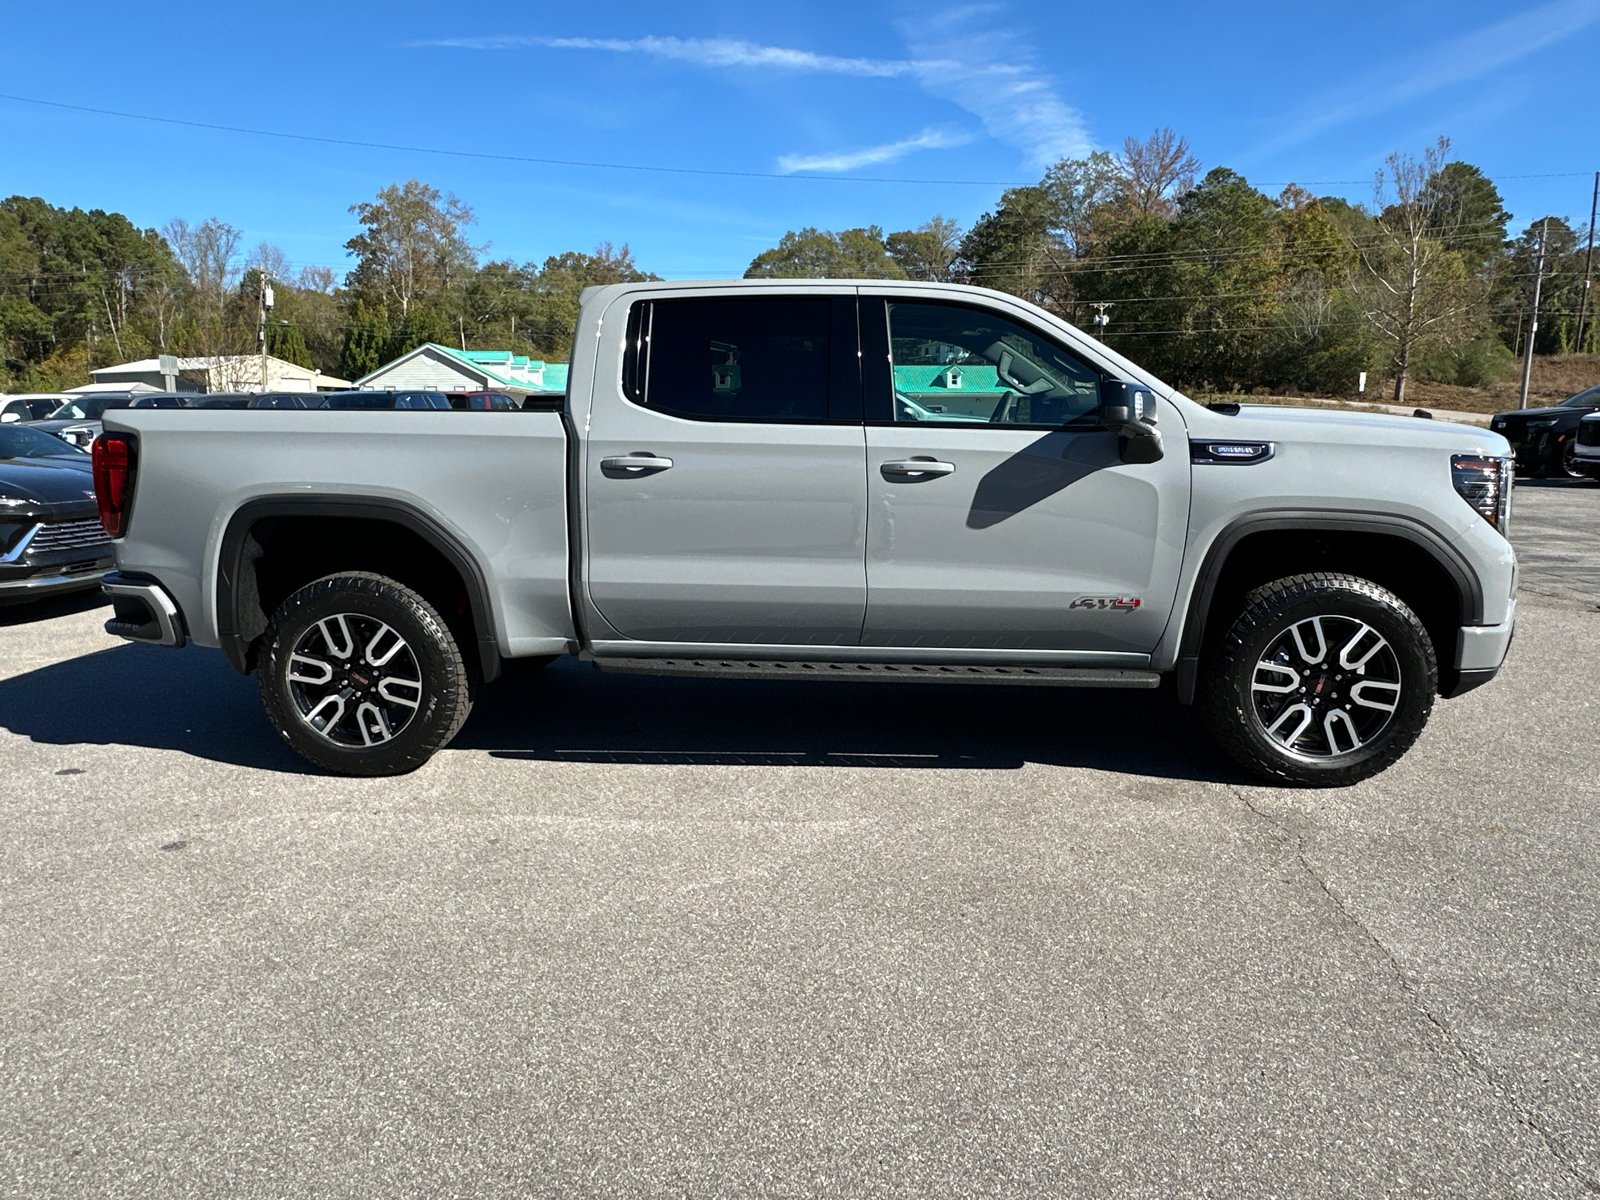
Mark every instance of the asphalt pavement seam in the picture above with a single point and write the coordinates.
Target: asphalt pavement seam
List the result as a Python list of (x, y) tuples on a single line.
[(1474, 1064)]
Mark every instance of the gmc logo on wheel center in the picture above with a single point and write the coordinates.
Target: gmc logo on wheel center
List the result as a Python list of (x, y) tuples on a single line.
[(1120, 603)]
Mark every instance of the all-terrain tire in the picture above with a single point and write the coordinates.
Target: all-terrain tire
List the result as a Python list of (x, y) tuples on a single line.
[(1232, 696), (388, 717)]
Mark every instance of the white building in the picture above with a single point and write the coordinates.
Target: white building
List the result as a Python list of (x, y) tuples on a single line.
[(220, 373), (441, 368)]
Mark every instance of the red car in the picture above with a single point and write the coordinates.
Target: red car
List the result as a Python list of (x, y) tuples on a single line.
[(483, 402)]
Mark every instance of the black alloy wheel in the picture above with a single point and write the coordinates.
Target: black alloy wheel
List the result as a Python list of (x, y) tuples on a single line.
[(1322, 681), (361, 676), (1569, 460)]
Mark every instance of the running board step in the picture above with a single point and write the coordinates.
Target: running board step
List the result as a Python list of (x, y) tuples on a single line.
[(745, 668)]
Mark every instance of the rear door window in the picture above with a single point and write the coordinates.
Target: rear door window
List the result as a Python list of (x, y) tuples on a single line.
[(755, 359)]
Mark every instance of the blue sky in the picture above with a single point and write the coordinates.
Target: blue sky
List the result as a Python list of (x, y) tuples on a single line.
[(824, 97)]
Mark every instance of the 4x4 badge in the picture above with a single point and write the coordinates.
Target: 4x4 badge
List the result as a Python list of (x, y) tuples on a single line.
[(1119, 603)]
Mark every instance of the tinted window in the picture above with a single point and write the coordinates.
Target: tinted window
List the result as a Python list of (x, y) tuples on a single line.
[(1588, 398), (90, 408), (421, 400), (740, 360), (960, 365), (18, 441)]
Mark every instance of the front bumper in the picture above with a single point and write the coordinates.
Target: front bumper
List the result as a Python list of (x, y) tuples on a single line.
[(51, 581), (1480, 652), (53, 557)]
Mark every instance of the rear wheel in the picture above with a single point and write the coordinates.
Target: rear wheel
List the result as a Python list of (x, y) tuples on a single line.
[(361, 676), (1323, 680)]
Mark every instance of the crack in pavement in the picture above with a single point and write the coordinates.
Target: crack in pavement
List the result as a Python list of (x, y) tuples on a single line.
[(1475, 1065)]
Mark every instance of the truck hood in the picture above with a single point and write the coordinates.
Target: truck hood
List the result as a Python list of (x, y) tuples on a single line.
[(1557, 411), (1273, 423), (44, 481)]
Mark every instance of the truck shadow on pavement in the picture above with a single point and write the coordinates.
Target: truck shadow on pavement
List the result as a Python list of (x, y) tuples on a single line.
[(130, 695), (194, 703), (54, 606), (571, 713)]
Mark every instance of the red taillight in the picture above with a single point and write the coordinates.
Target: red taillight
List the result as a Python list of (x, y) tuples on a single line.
[(113, 480)]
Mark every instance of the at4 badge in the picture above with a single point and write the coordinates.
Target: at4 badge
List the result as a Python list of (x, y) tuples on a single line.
[(1115, 603)]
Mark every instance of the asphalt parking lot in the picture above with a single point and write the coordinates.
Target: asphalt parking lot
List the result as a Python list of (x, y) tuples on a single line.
[(682, 938)]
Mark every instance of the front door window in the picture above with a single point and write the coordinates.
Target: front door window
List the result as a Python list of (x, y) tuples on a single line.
[(960, 365)]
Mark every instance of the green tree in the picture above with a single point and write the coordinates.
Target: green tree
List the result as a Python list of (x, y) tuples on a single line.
[(813, 253), (412, 246), (1018, 247), (1467, 215), (1560, 293), (285, 341), (1420, 294), (422, 325), (366, 341), (927, 252), (77, 279)]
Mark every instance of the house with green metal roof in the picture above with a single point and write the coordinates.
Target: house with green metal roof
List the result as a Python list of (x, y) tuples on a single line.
[(446, 369)]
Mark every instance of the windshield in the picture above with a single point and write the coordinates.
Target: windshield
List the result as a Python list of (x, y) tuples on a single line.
[(89, 408), (1588, 398), (18, 441)]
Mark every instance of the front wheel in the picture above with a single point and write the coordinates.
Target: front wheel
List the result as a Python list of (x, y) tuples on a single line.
[(1323, 680), (1571, 466), (361, 676)]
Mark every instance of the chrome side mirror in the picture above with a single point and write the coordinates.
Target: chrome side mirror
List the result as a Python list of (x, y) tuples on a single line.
[(1129, 411)]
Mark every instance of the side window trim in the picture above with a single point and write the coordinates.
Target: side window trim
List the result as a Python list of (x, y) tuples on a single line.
[(636, 352)]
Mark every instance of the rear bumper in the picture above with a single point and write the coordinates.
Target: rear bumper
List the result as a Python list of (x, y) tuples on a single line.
[(145, 611)]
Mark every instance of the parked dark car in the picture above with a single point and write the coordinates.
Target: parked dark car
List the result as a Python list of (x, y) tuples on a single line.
[(51, 539), (482, 402), (352, 400), (77, 421), (291, 400), (221, 400), (1543, 438), (1586, 455), (411, 400)]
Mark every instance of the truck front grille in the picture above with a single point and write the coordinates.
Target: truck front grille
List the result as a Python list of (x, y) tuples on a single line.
[(69, 535), (1589, 433)]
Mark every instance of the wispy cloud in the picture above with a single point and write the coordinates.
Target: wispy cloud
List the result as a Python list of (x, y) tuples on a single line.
[(928, 139), (705, 52), (990, 74), (1460, 60)]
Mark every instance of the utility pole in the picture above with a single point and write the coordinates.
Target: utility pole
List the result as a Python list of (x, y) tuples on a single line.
[(264, 300), (1101, 320), (1588, 261), (1533, 316)]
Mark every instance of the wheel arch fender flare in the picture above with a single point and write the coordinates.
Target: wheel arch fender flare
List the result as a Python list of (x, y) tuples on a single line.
[(1469, 588), (233, 566)]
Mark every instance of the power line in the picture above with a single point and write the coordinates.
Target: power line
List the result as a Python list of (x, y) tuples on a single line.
[(611, 166), (513, 158)]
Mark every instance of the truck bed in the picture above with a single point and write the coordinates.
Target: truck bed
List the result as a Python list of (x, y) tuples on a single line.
[(495, 481)]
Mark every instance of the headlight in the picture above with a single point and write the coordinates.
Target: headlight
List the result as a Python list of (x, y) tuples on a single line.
[(1485, 484)]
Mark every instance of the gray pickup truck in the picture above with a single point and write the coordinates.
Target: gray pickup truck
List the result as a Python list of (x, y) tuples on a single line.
[(826, 480)]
